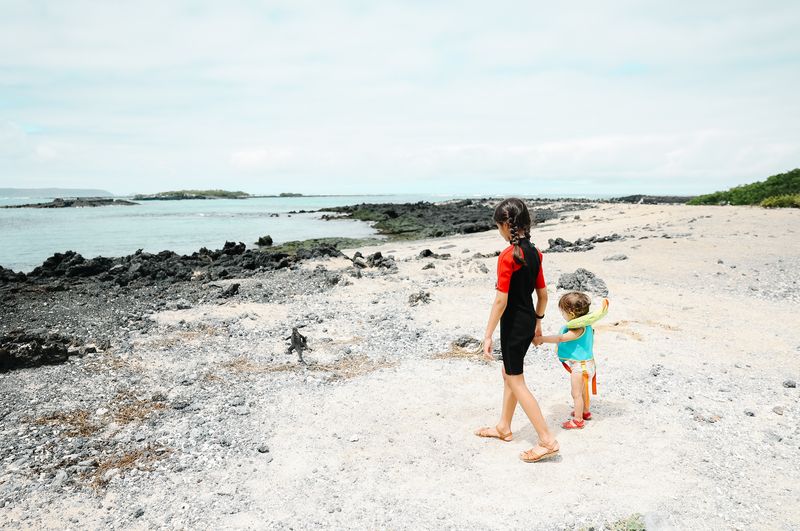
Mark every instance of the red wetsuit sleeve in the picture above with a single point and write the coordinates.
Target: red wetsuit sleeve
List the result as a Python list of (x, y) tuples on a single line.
[(540, 279), (505, 268)]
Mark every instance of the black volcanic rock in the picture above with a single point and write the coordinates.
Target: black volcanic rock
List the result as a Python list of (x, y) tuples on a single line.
[(230, 291), (421, 219), (7, 275), (653, 199), (378, 260), (582, 280), (233, 248), (560, 245), (425, 220), (21, 348), (77, 202), (233, 260)]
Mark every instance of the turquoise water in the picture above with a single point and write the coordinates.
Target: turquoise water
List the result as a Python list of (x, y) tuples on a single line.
[(29, 235)]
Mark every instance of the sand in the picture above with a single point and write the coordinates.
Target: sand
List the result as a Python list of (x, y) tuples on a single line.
[(692, 363)]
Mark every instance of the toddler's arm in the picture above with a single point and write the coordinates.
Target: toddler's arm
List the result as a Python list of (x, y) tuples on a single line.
[(560, 338)]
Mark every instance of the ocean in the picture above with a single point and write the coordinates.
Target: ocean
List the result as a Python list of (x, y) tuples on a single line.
[(29, 235)]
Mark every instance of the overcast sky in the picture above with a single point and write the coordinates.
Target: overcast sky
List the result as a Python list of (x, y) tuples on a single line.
[(417, 96)]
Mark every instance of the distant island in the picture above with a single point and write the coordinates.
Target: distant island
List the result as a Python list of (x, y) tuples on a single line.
[(50, 193), (781, 190), (174, 195), (77, 202)]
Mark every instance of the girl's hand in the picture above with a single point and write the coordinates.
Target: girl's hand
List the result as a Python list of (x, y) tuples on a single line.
[(487, 349), (537, 340)]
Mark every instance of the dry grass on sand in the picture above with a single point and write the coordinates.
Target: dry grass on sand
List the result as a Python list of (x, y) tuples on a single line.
[(345, 368), (74, 423), (139, 459)]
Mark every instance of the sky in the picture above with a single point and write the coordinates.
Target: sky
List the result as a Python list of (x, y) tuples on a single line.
[(432, 96)]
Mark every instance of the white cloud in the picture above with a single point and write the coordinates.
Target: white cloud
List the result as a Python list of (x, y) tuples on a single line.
[(687, 161), (435, 95), (46, 152), (262, 158)]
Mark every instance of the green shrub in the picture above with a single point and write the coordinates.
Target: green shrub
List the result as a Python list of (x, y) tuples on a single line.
[(753, 194), (634, 522), (782, 201)]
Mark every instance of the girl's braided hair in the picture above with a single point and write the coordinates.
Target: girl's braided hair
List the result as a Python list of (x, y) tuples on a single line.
[(514, 212)]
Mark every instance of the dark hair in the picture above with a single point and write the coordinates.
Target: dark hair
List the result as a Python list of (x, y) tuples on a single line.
[(575, 303), (514, 212)]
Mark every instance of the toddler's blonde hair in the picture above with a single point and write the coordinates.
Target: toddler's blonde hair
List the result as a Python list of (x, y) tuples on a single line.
[(575, 303)]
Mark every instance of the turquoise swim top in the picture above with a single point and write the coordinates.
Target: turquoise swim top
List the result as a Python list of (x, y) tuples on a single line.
[(578, 349)]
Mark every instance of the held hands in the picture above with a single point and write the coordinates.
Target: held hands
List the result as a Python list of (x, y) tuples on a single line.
[(537, 334), (487, 349)]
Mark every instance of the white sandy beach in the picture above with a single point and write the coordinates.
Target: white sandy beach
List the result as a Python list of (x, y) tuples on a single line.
[(694, 427)]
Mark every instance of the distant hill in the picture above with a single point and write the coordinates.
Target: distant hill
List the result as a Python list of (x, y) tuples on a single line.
[(191, 194), (777, 190), (52, 193)]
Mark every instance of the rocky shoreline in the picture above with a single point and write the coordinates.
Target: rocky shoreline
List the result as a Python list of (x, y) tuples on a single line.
[(166, 391), (640, 199), (410, 221), (77, 202), (81, 290), (147, 282)]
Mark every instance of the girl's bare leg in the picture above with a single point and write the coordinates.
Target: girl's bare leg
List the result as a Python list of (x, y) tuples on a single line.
[(509, 405), (530, 406), (576, 381)]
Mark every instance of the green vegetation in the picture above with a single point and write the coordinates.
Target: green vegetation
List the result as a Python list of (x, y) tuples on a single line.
[(785, 185), (632, 523), (782, 201), (192, 194), (290, 194)]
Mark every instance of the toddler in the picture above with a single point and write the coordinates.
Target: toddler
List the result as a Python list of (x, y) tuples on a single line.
[(574, 350)]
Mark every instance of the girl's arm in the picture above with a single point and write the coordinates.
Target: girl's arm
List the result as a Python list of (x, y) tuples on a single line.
[(560, 338), (541, 306), (498, 307)]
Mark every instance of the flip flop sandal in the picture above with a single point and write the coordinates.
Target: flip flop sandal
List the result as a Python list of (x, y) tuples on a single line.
[(573, 424), (587, 415), (529, 456), (484, 432)]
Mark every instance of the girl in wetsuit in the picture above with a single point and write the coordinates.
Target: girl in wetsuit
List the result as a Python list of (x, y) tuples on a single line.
[(519, 274)]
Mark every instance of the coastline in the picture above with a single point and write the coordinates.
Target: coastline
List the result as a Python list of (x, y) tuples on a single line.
[(389, 221), (130, 199), (191, 380)]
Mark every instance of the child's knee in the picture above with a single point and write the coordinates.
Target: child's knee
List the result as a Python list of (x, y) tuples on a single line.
[(515, 380)]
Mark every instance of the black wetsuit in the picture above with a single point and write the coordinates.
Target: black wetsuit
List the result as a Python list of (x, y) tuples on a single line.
[(518, 323)]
